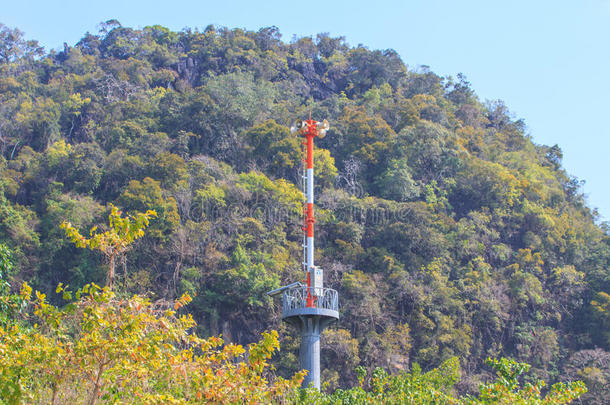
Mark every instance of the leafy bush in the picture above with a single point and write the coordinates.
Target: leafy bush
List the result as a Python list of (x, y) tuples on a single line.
[(100, 348)]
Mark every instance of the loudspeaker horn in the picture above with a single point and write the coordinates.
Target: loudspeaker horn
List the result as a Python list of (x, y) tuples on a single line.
[(322, 128), (297, 126)]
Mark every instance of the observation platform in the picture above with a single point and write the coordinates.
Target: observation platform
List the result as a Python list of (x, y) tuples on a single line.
[(310, 310), (324, 303)]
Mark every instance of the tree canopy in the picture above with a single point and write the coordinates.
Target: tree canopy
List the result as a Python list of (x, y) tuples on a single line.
[(449, 233)]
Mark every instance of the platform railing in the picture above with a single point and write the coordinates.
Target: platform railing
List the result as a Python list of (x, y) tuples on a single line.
[(309, 297)]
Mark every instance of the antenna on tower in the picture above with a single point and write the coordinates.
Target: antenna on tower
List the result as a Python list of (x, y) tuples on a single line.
[(309, 307)]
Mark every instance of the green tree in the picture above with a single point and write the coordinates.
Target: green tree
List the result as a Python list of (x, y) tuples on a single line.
[(601, 312), (396, 182), (13, 46), (148, 194), (9, 303), (508, 390)]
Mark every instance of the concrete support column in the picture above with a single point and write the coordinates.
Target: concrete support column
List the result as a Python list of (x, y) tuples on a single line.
[(310, 350)]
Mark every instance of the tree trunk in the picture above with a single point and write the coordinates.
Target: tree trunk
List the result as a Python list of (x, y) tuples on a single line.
[(97, 386), (110, 275), (124, 262)]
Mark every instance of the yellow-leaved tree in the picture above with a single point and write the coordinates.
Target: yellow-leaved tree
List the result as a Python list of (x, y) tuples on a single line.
[(114, 242), (102, 349)]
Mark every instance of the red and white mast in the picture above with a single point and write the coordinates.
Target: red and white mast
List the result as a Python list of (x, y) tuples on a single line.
[(314, 275), (312, 307)]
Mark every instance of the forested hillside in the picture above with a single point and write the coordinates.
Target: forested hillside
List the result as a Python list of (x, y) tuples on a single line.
[(446, 230)]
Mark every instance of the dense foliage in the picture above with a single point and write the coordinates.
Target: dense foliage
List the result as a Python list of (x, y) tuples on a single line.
[(102, 349), (447, 231)]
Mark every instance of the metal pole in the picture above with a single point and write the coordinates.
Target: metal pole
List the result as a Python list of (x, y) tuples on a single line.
[(309, 135), (312, 307)]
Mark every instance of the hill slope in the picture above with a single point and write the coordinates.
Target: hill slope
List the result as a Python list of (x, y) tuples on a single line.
[(446, 230)]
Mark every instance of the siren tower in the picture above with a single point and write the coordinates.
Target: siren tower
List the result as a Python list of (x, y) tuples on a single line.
[(307, 305)]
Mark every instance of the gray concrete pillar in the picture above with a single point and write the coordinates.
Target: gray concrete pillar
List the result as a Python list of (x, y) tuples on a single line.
[(310, 350)]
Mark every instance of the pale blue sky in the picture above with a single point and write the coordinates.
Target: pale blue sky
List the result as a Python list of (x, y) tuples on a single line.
[(548, 60)]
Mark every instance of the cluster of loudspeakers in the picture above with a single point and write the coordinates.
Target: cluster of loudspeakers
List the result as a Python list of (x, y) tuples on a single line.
[(299, 126)]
